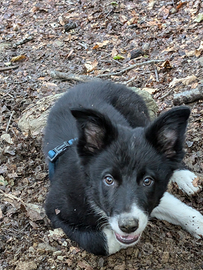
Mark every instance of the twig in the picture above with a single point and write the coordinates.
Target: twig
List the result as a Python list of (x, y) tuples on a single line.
[(156, 74), (166, 94), (12, 197), (132, 79), (7, 94), (9, 121), (129, 68), (117, 62), (69, 77), (8, 68)]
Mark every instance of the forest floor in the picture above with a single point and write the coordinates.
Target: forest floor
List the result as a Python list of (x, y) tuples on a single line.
[(91, 38)]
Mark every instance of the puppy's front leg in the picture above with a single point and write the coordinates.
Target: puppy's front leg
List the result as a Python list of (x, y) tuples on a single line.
[(176, 212)]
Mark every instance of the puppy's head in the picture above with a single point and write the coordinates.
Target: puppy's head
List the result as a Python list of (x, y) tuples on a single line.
[(128, 169)]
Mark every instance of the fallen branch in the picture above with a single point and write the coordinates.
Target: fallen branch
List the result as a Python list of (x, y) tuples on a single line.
[(8, 68), (129, 68), (188, 96), (69, 77)]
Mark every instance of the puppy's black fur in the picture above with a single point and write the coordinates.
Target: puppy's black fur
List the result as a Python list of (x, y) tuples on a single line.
[(105, 172)]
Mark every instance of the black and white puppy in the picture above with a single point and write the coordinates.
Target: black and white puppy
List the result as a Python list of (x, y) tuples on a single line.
[(110, 167)]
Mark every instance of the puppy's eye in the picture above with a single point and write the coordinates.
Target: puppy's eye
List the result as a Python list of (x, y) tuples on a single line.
[(148, 181), (108, 180)]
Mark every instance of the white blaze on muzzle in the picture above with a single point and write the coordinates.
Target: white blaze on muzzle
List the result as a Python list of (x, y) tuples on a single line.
[(129, 226)]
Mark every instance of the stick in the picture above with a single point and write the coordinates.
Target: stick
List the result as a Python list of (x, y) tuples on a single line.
[(129, 68), (165, 95), (156, 74), (8, 68), (9, 121), (12, 197), (69, 77)]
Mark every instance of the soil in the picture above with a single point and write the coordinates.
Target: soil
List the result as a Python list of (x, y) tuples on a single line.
[(91, 38)]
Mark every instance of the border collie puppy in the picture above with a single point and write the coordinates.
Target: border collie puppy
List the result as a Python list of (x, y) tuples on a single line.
[(109, 167)]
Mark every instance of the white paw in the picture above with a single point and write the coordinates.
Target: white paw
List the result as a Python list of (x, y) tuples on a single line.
[(194, 224), (187, 181)]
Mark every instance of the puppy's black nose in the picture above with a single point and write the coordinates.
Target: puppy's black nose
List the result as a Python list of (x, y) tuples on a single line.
[(128, 225)]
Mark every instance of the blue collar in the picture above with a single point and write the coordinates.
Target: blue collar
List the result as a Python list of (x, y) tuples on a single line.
[(55, 153)]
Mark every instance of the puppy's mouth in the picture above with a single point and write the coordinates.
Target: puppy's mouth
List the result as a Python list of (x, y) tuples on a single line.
[(127, 239)]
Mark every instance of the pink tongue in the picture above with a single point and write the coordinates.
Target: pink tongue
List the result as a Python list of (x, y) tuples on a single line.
[(127, 239)]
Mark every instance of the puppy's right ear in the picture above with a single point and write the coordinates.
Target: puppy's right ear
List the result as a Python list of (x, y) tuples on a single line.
[(96, 131)]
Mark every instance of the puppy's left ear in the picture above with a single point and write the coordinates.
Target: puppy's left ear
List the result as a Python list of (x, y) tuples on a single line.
[(167, 132), (95, 130)]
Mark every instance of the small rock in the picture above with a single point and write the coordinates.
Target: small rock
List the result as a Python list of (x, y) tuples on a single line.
[(43, 247), (60, 258), (40, 198), (31, 250), (26, 265), (200, 60), (58, 43), (7, 138), (146, 46), (101, 262), (4, 46), (57, 253), (173, 10), (120, 267), (64, 244), (69, 26), (54, 25), (136, 53), (165, 257)]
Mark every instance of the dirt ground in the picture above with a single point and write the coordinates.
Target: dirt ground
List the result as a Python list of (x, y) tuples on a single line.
[(91, 38)]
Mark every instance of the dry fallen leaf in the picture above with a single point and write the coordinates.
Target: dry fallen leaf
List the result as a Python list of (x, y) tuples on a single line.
[(151, 4), (199, 18), (100, 44), (7, 138), (18, 58), (195, 182), (187, 80), (199, 50), (84, 265), (150, 90), (114, 52), (90, 66), (35, 212)]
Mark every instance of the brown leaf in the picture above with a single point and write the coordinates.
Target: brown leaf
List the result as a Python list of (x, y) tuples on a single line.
[(187, 80), (180, 5), (18, 58), (85, 265), (100, 44), (90, 66), (196, 182)]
